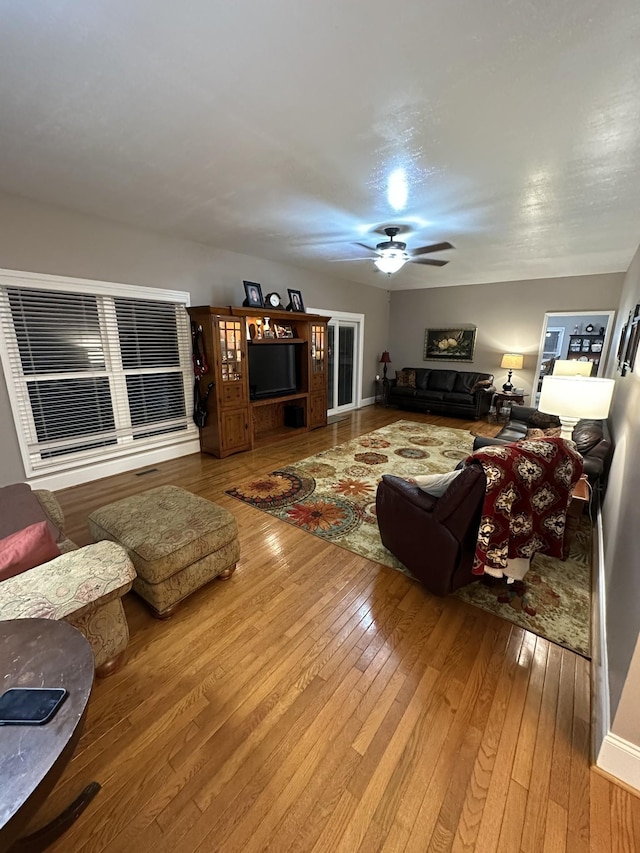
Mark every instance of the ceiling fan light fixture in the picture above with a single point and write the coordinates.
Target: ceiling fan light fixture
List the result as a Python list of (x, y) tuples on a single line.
[(390, 262)]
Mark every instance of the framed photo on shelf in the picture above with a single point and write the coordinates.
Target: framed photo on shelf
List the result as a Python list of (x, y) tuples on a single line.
[(295, 301), (449, 344), (283, 331), (253, 292)]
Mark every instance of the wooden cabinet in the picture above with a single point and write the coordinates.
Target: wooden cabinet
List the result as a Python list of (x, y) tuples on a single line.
[(226, 429), (235, 422), (586, 348)]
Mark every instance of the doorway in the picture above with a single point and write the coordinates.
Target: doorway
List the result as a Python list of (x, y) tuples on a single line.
[(573, 335), (345, 335)]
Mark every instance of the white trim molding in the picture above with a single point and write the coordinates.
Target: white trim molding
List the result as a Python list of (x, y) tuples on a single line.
[(615, 755), (621, 759), (601, 716), (108, 467)]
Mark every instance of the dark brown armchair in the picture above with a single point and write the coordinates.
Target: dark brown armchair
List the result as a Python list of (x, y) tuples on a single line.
[(435, 538)]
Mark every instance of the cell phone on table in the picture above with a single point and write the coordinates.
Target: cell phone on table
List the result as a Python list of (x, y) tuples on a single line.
[(30, 706)]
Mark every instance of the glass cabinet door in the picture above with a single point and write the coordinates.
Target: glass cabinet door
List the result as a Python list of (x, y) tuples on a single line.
[(318, 353), (231, 347)]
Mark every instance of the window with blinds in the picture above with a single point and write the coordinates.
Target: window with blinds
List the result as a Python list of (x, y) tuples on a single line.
[(95, 374)]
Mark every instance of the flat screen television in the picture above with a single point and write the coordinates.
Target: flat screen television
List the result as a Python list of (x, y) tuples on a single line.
[(272, 370)]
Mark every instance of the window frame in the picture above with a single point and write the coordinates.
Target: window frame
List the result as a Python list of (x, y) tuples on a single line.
[(163, 446)]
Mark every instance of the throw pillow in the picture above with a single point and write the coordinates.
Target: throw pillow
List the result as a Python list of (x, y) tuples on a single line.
[(406, 378), (550, 432), (436, 484), (25, 549), (534, 432), (542, 420)]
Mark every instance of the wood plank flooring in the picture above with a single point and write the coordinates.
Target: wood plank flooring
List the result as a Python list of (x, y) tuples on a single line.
[(321, 702)]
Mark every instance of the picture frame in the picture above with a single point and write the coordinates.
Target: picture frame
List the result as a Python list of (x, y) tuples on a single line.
[(452, 343), (283, 330), (253, 295), (632, 341), (295, 301), (622, 345)]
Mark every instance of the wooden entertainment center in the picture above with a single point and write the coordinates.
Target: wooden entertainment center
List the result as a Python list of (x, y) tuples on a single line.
[(236, 422)]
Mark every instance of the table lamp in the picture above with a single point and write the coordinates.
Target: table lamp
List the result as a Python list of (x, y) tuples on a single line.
[(385, 359), (512, 361), (574, 397), (567, 367)]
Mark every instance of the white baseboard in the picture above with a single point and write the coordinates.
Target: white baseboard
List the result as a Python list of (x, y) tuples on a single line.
[(367, 401), (621, 759), (601, 716), (613, 754), (97, 470)]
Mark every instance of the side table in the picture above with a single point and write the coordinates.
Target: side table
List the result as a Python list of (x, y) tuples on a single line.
[(382, 392), (501, 397)]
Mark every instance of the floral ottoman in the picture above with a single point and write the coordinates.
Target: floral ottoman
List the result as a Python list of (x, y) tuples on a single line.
[(177, 542)]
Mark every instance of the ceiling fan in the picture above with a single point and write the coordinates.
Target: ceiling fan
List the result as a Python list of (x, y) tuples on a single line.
[(392, 254)]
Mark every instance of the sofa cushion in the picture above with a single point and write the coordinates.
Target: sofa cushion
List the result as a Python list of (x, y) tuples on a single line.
[(459, 399), (543, 420), (402, 391), (430, 396), (442, 380), (405, 378), (512, 432), (422, 378), (587, 434), (26, 549), (468, 381), (20, 508)]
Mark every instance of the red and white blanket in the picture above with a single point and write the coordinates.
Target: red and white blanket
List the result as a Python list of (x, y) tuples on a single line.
[(529, 487)]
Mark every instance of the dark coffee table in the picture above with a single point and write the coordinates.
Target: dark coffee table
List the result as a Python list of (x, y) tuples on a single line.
[(41, 653)]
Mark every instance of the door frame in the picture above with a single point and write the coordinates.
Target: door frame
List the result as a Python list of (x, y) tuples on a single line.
[(605, 346), (358, 320)]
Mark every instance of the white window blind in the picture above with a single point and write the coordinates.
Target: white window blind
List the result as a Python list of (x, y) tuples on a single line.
[(94, 374)]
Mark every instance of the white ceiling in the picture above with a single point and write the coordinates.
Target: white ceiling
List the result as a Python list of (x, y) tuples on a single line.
[(270, 127)]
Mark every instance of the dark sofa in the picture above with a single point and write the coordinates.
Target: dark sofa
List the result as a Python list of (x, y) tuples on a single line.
[(592, 438), (460, 393)]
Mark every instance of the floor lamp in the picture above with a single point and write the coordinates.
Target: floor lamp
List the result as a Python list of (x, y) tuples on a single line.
[(574, 397)]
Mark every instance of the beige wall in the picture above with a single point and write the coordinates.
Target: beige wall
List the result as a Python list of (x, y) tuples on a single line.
[(620, 529), (40, 238), (509, 317)]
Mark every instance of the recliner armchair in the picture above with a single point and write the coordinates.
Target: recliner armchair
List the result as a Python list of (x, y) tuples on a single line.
[(435, 538)]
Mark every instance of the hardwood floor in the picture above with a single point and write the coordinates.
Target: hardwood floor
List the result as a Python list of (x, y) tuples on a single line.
[(321, 702)]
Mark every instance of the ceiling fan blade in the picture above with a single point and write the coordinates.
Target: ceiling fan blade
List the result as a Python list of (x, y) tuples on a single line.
[(431, 261), (436, 247), (368, 248), (342, 260)]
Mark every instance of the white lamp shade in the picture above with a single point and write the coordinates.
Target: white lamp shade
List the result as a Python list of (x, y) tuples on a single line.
[(564, 367), (576, 396), (512, 361), (390, 262)]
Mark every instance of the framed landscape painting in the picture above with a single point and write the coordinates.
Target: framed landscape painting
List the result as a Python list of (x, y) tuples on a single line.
[(454, 344)]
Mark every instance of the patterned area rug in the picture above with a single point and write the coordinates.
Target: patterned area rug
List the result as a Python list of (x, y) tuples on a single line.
[(332, 495)]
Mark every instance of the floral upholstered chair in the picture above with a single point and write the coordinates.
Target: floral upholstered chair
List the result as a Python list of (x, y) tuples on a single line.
[(83, 586)]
